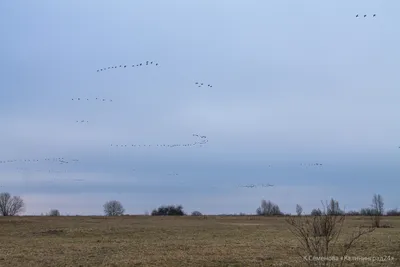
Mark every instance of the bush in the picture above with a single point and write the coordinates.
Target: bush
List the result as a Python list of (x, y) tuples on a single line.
[(393, 212), (367, 212), (316, 212), (353, 213), (169, 210), (196, 213), (54, 213), (317, 236)]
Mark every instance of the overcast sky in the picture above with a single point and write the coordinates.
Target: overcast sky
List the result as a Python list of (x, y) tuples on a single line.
[(293, 82)]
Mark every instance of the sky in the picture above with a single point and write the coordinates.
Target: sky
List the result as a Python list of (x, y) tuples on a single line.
[(293, 82)]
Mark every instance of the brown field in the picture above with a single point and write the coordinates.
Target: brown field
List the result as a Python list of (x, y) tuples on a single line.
[(171, 241)]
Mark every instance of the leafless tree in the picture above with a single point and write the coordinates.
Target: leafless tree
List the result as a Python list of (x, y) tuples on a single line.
[(377, 210), (333, 207), (11, 206), (113, 208), (299, 210), (318, 236), (268, 209)]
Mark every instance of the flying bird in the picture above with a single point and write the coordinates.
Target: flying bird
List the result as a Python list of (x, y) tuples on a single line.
[(365, 16), (357, 16), (374, 15), (249, 186)]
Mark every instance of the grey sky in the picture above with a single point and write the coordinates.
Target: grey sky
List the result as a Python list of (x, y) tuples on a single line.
[(293, 82)]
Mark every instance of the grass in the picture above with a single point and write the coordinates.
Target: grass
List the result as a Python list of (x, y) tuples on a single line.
[(171, 241)]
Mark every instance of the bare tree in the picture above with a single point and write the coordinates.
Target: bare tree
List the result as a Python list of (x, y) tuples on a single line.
[(299, 210), (318, 236), (268, 209), (377, 210), (54, 212), (11, 206), (113, 208), (333, 207)]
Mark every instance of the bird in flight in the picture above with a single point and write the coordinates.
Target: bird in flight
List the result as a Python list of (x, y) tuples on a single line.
[(374, 15), (248, 186), (357, 16)]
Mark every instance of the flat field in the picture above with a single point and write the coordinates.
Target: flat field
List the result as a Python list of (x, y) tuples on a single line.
[(172, 241)]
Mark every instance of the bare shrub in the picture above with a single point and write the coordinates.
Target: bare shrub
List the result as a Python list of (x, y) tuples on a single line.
[(318, 236), (268, 209), (11, 206), (54, 212), (113, 208), (299, 210)]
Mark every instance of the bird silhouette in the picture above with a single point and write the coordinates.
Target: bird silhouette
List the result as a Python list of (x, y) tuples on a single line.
[(357, 16), (365, 16), (374, 15)]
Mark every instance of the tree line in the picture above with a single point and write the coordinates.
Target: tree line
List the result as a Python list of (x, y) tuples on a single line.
[(14, 205)]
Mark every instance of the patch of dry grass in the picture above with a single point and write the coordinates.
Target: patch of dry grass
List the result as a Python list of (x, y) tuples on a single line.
[(171, 241)]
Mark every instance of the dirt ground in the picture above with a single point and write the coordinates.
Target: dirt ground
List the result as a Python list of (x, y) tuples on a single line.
[(172, 241)]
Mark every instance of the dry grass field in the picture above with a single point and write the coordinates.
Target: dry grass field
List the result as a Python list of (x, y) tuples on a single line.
[(171, 241)]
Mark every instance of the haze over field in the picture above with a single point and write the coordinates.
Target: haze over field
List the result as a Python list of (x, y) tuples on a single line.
[(292, 83)]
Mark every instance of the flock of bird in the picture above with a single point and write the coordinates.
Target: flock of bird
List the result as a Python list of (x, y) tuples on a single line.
[(201, 84), (96, 99), (259, 185), (311, 164), (203, 141), (366, 16), (51, 171), (134, 65), (161, 145), (60, 160)]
